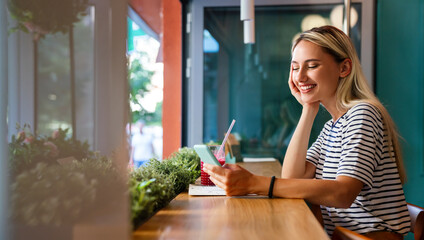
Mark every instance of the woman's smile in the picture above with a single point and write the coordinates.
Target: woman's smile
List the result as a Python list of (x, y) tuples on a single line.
[(305, 88)]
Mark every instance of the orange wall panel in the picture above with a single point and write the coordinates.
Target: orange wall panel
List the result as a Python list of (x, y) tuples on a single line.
[(172, 75), (149, 11)]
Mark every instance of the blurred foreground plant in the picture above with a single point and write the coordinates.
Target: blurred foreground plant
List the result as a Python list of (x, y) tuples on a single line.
[(27, 150), (57, 181), (55, 195), (46, 195)]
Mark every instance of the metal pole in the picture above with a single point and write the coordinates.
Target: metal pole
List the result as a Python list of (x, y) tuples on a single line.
[(346, 17), (3, 124), (72, 77), (35, 57)]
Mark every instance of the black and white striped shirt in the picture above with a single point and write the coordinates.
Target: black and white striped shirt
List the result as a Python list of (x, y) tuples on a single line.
[(356, 146)]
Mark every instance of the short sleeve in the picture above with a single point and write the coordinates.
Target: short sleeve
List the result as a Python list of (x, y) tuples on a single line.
[(361, 137), (135, 139), (314, 151)]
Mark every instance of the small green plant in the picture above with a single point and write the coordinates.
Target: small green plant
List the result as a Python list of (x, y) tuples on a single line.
[(153, 186)]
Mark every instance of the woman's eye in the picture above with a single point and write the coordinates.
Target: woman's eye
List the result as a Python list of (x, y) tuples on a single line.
[(313, 66), (295, 69)]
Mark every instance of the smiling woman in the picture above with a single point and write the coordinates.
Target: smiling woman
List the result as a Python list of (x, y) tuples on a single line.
[(354, 169)]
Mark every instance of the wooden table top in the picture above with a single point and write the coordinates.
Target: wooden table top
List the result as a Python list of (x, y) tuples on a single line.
[(221, 217)]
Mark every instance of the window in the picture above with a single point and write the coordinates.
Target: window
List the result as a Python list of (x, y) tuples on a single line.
[(230, 80), (56, 106), (100, 78)]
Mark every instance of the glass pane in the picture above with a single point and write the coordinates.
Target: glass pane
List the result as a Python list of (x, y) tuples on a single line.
[(54, 83), (145, 76), (84, 77), (53, 95), (249, 82)]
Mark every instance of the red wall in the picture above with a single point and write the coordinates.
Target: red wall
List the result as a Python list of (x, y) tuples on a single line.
[(149, 11), (172, 87)]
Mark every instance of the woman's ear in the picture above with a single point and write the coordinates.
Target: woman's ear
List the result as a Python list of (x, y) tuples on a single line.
[(345, 67)]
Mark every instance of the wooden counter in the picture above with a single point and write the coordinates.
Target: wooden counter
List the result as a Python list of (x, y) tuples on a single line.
[(248, 217)]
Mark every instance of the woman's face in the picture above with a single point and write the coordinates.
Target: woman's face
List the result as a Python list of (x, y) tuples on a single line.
[(315, 73)]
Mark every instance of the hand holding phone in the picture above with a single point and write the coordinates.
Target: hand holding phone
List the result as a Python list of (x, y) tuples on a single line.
[(206, 155)]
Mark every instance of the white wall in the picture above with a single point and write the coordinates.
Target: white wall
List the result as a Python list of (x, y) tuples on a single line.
[(111, 87)]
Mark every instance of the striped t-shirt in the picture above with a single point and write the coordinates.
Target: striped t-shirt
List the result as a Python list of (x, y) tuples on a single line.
[(356, 146)]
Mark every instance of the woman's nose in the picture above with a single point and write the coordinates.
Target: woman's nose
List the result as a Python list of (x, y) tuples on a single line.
[(301, 75)]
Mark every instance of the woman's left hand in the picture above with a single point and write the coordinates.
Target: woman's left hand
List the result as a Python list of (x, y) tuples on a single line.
[(235, 180)]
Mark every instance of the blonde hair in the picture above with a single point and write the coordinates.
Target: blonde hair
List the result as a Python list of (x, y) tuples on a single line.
[(354, 88)]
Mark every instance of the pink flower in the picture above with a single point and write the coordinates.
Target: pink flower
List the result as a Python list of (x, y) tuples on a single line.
[(53, 151), (55, 134), (29, 139), (21, 136), (131, 166)]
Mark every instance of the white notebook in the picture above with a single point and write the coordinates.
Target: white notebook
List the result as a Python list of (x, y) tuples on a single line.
[(259, 159), (200, 190)]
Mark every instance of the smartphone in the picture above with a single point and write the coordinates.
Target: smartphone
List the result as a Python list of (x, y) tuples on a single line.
[(206, 155)]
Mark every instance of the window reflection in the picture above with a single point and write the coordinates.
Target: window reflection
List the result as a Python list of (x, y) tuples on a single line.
[(53, 94)]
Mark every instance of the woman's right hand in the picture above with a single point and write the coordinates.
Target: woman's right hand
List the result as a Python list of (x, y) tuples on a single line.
[(293, 88), (235, 180)]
